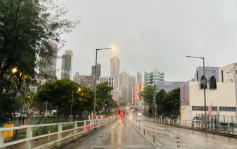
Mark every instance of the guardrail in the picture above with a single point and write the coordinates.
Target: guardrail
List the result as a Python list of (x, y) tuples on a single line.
[(57, 133), (229, 129)]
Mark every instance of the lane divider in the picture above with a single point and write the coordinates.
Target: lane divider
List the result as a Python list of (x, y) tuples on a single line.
[(178, 142), (154, 139)]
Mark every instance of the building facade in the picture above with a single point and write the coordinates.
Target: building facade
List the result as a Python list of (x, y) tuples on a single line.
[(86, 81), (139, 77), (167, 85), (209, 71), (221, 97), (66, 64), (112, 83), (124, 87), (138, 88), (47, 69), (98, 71), (75, 77), (151, 77), (115, 68)]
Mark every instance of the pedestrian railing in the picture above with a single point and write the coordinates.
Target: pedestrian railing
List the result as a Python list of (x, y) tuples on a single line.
[(225, 128), (55, 134)]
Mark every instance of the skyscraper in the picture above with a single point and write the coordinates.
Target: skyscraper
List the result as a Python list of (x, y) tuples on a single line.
[(139, 77), (126, 86), (98, 71), (115, 68), (123, 87), (66, 64), (75, 77), (151, 77), (47, 69)]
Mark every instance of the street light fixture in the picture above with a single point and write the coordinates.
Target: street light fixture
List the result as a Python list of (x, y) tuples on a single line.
[(204, 85), (14, 70), (112, 49)]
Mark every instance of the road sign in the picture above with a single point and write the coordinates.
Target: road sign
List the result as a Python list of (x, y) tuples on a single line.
[(8, 133)]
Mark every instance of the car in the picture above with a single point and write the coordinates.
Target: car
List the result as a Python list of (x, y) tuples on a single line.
[(17, 114)]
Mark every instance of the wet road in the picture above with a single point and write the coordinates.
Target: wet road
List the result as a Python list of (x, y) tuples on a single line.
[(122, 135), (118, 135), (166, 136)]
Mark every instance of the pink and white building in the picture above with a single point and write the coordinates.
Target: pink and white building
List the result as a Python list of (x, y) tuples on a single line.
[(138, 87)]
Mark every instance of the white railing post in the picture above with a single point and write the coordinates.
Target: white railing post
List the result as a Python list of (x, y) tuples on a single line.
[(60, 128), (1, 138), (85, 125), (91, 124), (28, 136), (75, 130)]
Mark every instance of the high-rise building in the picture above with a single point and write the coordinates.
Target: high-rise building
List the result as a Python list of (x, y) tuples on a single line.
[(131, 82), (124, 79), (115, 68), (126, 87), (138, 88), (75, 77), (66, 64), (151, 77), (98, 71), (111, 82), (47, 69), (86, 81), (139, 77)]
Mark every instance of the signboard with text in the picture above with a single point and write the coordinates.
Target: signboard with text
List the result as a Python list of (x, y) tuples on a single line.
[(8, 133)]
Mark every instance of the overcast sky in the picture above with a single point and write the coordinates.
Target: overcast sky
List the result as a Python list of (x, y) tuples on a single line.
[(152, 34)]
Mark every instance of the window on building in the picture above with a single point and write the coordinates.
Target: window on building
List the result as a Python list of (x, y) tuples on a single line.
[(199, 108), (214, 108), (212, 82), (222, 78), (231, 109), (203, 82)]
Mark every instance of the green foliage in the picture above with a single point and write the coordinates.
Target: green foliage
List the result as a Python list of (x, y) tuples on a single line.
[(61, 93), (160, 101), (104, 97), (168, 104), (8, 105), (148, 95), (26, 26)]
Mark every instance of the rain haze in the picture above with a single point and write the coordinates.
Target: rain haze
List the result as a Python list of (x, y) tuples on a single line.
[(154, 34)]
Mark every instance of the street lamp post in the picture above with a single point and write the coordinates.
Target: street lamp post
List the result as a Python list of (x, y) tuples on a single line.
[(94, 110), (205, 110)]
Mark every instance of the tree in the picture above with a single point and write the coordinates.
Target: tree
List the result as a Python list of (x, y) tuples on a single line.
[(26, 26), (172, 103), (148, 95), (168, 104), (103, 96), (8, 104), (61, 93), (160, 101)]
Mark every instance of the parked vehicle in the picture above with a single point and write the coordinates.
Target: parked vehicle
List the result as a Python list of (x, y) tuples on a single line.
[(16, 114)]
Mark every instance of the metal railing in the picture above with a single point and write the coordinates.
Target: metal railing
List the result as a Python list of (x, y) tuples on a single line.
[(57, 134), (212, 127)]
